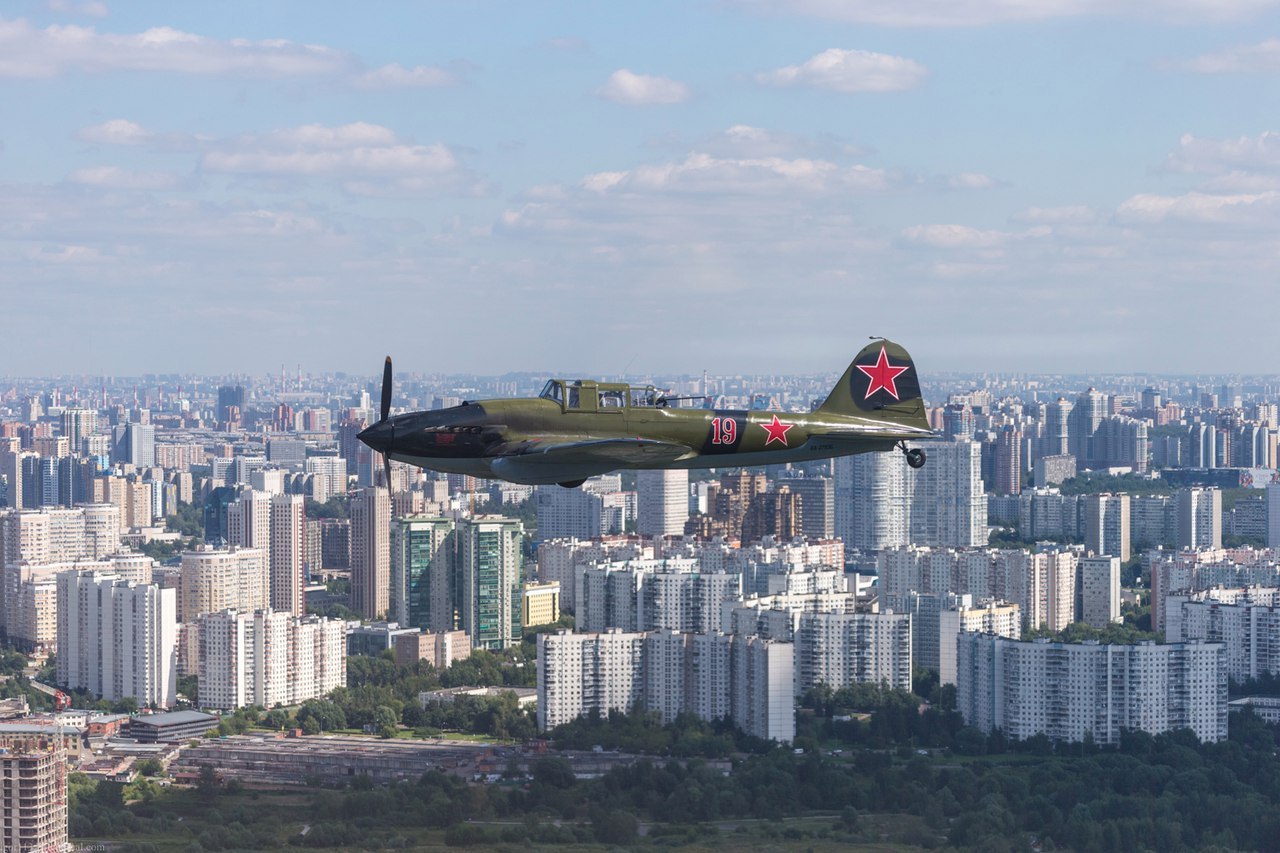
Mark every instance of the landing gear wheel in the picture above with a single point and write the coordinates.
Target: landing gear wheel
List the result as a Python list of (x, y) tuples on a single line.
[(915, 457), (573, 484)]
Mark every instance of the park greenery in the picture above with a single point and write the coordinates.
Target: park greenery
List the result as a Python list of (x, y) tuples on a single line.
[(868, 766)]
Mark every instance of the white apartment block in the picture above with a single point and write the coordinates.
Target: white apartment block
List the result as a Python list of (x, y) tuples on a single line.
[(287, 554), (235, 579), (58, 535), (581, 673), (1206, 568), (881, 503), (29, 605), (1070, 691), (268, 658), (116, 638), (1042, 584), (559, 559), (990, 617), (747, 679), (1199, 518), (839, 649), (646, 595), (1245, 621), (1100, 591), (662, 496)]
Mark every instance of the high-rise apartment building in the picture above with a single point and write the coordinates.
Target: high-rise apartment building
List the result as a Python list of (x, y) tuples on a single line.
[(881, 502), (1199, 518), (817, 505), (749, 680), (268, 658), (989, 617), (1008, 461), (423, 573), (287, 554), (490, 577), (236, 579), (663, 502), (1106, 525), (1100, 590), (371, 553), (1073, 691), (33, 796), (839, 649), (117, 639)]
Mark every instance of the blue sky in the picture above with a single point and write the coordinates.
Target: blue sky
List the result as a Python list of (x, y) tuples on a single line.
[(753, 185)]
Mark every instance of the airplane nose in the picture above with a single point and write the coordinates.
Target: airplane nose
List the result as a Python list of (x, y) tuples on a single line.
[(379, 436)]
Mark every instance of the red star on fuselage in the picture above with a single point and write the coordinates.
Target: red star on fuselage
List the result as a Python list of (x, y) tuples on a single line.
[(882, 375), (777, 432)]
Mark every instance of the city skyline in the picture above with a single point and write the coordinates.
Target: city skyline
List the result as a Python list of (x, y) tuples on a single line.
[(749, 185)]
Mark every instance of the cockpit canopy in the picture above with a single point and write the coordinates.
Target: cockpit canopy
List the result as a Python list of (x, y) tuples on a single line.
[(587, 395)]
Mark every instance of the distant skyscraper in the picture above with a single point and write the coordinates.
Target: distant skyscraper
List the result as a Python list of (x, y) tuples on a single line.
[(817, 505), (288, 554), (1057, 429), (249, 520), (230, 403), (663, 499), (371, 553), (490, 579), (564, 513), (1087, 414), (957, 421), (1008, 479)]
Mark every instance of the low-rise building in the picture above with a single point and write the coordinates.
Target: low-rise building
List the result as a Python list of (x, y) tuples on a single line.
[(171, 727)]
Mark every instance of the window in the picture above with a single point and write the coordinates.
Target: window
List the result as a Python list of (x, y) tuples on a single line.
[(552, 391)]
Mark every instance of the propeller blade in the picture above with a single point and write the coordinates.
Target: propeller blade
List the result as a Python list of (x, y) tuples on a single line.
[(386, 470), (386, 390)]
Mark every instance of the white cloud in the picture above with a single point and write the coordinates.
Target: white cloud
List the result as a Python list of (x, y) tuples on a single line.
[(1220, 156), (627, 87), (113, 177), (27, 51), (954, 237), (1263, 57), (970, 13), (367, 159), (850, 71), (117, 131), (1068, 215), (418, 77), (703, 173), (1198, 207)]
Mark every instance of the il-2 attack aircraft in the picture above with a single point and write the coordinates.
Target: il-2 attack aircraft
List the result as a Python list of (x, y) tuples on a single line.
[(579, 428)]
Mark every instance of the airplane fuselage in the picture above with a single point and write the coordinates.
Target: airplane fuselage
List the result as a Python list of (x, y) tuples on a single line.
[(500, 438)]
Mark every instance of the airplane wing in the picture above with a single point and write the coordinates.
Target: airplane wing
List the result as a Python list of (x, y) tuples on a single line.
[(555, 460)]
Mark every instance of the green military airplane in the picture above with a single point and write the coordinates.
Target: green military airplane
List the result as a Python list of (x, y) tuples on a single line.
[(579, 428)]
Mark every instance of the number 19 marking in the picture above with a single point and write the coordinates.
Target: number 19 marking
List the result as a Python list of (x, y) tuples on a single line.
[(723, 430)]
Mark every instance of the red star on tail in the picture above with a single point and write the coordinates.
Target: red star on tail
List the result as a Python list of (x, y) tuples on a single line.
[(777, 432), (882, 375)]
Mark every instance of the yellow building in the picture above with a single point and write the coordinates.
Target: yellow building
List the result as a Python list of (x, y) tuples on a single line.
[(540, 604)]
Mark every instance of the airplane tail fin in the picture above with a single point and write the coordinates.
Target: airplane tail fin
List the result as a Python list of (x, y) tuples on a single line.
[(881, 384)]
